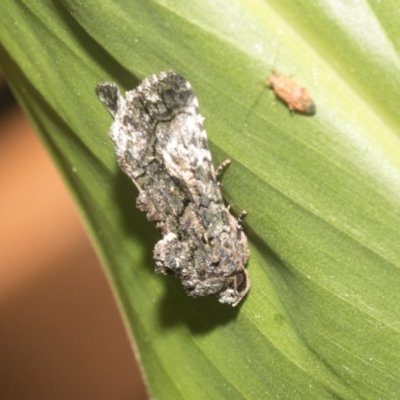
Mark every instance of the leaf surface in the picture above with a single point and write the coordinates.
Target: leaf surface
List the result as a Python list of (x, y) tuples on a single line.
[(322, 317)]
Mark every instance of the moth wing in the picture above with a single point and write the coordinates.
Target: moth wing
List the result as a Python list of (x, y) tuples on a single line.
[(180, 138)]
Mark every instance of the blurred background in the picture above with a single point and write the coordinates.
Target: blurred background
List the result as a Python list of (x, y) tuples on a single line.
[(61, 335)]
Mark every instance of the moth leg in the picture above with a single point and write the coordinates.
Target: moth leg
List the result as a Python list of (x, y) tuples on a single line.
[(240, 220), (219, 170)]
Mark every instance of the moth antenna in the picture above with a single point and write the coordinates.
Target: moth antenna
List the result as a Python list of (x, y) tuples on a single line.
[(221, 168)]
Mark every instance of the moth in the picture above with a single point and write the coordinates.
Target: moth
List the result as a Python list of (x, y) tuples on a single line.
[(296, 97), (160, 143)]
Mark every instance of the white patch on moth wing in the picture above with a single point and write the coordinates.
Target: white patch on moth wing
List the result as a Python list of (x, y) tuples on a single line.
[(200, 120), (119, 136), (190, 131), (191, 112), (195, 103), (169, 237), (138, 145), (176, 154), (199, 156), (181, 261), (199, 184), (129, 99), (174, 168), (189, 87), (203, 134), (151, 81), (126, 140), (184, 153), (144, 91), (162, 75)]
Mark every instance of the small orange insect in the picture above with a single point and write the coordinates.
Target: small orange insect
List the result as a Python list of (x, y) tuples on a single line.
[(296, 97)]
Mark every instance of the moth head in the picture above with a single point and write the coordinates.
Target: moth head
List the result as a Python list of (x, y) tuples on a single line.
[(236, 288), (110, 96)]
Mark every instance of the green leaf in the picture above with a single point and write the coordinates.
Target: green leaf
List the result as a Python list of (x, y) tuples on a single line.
[(322, 317)]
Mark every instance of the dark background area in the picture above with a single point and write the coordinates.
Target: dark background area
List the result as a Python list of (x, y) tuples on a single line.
[(61, 335)]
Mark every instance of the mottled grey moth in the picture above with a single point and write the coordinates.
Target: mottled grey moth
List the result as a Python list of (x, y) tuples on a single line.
[(160, 143)]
